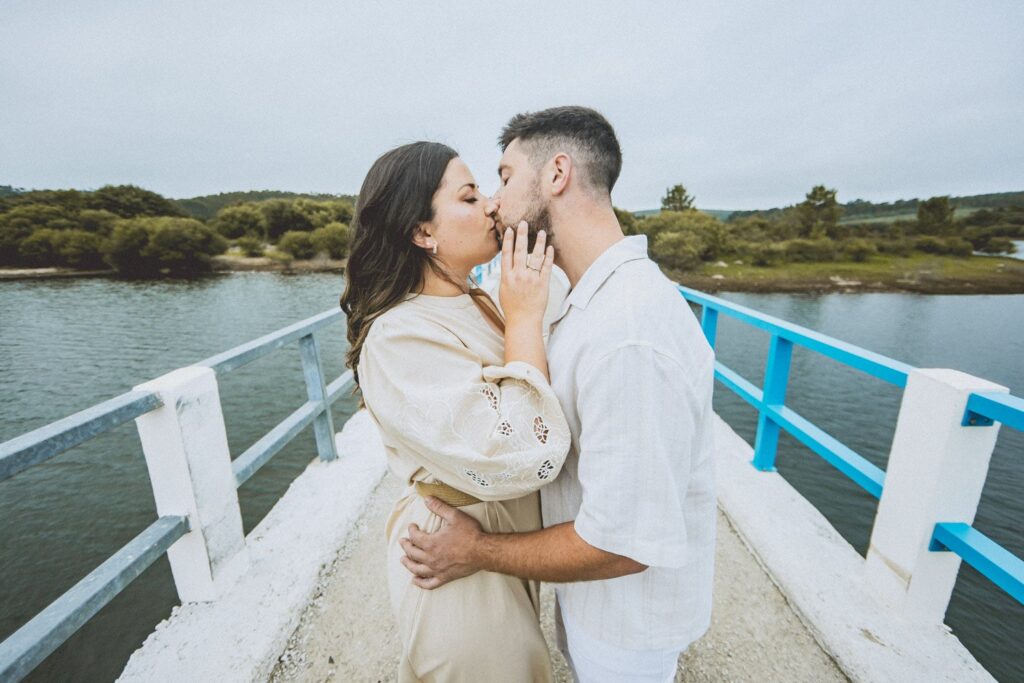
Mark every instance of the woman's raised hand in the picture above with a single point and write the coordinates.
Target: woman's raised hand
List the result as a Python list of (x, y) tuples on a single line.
[(525, 277)]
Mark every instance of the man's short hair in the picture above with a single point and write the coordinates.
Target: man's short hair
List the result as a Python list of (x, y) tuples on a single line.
[(583, 133)]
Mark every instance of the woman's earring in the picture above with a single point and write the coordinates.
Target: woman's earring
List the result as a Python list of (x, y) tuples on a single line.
[(435, 247)]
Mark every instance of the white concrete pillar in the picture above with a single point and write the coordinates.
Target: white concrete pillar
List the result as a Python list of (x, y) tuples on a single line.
[(186, 449), (936, 472)]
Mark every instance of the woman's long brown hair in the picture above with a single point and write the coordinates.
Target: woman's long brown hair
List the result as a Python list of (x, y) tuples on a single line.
[(384, 265)]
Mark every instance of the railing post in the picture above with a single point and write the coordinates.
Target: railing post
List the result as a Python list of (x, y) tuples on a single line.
[(186, 450), (709, 323), (936, 472), (776, 377), (323, 424)]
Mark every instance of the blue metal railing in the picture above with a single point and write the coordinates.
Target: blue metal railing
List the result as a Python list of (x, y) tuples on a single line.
[(39, 637), (992, 560), (773, 414)]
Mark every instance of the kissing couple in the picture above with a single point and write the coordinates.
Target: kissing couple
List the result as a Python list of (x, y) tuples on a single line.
[(573, 448)]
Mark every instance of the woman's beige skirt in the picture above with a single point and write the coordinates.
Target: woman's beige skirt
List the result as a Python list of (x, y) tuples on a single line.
[(482, 628)]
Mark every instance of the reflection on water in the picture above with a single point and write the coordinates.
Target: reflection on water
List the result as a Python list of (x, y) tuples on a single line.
[(69, 344)]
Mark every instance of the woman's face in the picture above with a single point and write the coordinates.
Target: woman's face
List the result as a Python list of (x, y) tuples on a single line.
[(463, 225)]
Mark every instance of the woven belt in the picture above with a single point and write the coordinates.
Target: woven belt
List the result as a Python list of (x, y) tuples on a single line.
[(445, 493)]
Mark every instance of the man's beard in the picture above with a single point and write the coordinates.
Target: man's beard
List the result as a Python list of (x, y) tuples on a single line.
[(537, 217)]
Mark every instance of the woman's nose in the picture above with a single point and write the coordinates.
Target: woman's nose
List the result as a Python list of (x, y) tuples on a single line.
[(492, 205)]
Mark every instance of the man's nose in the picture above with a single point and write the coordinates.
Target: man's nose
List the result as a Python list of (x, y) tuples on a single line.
[(492, 205)]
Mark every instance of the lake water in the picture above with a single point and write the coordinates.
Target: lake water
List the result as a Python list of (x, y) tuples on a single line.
[(69, 344)]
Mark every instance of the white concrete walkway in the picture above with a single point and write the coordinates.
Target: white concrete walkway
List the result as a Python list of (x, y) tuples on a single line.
[(347, 634)]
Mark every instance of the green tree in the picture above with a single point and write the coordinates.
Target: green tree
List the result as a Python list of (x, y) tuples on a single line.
[(40, 248), (123, 250), (676, 199), (129, 201), (333, 239), (935, 216), (283, 216), (819, 213), (183, 245), (241, 220), (710, 236), (97, 221), (676, 250), (250, 246), (298, 244), (80, 249), (21, 221), (859, 249), (151, 246)]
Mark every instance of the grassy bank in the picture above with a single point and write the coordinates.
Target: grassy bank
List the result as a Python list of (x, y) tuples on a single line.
[(924, 273)]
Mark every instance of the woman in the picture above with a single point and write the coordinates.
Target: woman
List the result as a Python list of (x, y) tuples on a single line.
[(462, 399)]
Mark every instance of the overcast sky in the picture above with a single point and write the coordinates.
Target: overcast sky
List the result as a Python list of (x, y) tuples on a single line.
[(748, 104)]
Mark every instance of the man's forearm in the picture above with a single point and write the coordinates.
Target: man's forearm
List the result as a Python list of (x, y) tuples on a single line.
[(555, 554)]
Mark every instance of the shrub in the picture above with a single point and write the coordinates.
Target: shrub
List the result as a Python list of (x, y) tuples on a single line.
[(765, 254), (129, 201), (80, 249), (958, 246), (809, 250), (183, 245), (899, 247), (677, 250), (97, 221), (953, 246), (283, 216), (333, 238), (298, 244), (123, 249), (859, 250), (40, 248), (152, 246), (250, 246), (999, 245), (72, 248), (708, 234), (242, 220)]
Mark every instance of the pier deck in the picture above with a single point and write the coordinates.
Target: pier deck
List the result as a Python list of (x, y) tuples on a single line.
[(347, 633)]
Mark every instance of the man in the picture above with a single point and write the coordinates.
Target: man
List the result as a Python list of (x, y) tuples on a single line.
[(630, 520)]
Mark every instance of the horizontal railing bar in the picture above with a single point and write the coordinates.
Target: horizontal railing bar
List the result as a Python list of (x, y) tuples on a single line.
[(868, 476), (244, 354), (36, 640), (741, 386), (338, 386), (1005, 408), (257, 455), (995, 562), (875, 364), (42, 444)]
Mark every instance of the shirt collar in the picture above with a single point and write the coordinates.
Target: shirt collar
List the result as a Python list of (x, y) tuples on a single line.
[(626, 249)]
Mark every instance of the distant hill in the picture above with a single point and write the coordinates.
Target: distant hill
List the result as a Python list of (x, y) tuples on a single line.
[(7, 190), (720, 214), (860, 210), (207, 206)]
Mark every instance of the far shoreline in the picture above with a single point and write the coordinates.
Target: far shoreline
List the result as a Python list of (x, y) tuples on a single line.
[(918, 275)]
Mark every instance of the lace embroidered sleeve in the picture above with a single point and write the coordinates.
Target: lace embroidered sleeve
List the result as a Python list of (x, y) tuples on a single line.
[(496, 432)]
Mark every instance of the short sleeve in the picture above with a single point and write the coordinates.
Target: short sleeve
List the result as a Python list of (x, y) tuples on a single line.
[(496, 432), (638, 416)]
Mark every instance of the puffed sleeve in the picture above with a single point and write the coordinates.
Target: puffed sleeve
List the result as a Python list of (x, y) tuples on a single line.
[(496, 432)]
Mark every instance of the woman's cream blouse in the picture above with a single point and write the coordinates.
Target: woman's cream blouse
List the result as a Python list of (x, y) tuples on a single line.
[(433, 378)]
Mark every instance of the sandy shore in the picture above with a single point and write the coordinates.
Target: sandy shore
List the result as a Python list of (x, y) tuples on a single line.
[(347, 633)]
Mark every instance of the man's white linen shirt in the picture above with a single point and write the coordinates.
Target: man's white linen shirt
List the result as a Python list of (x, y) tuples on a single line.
[(634, 375)]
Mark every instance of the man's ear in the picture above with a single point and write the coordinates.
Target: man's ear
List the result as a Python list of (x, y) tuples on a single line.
[(561, 173)]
